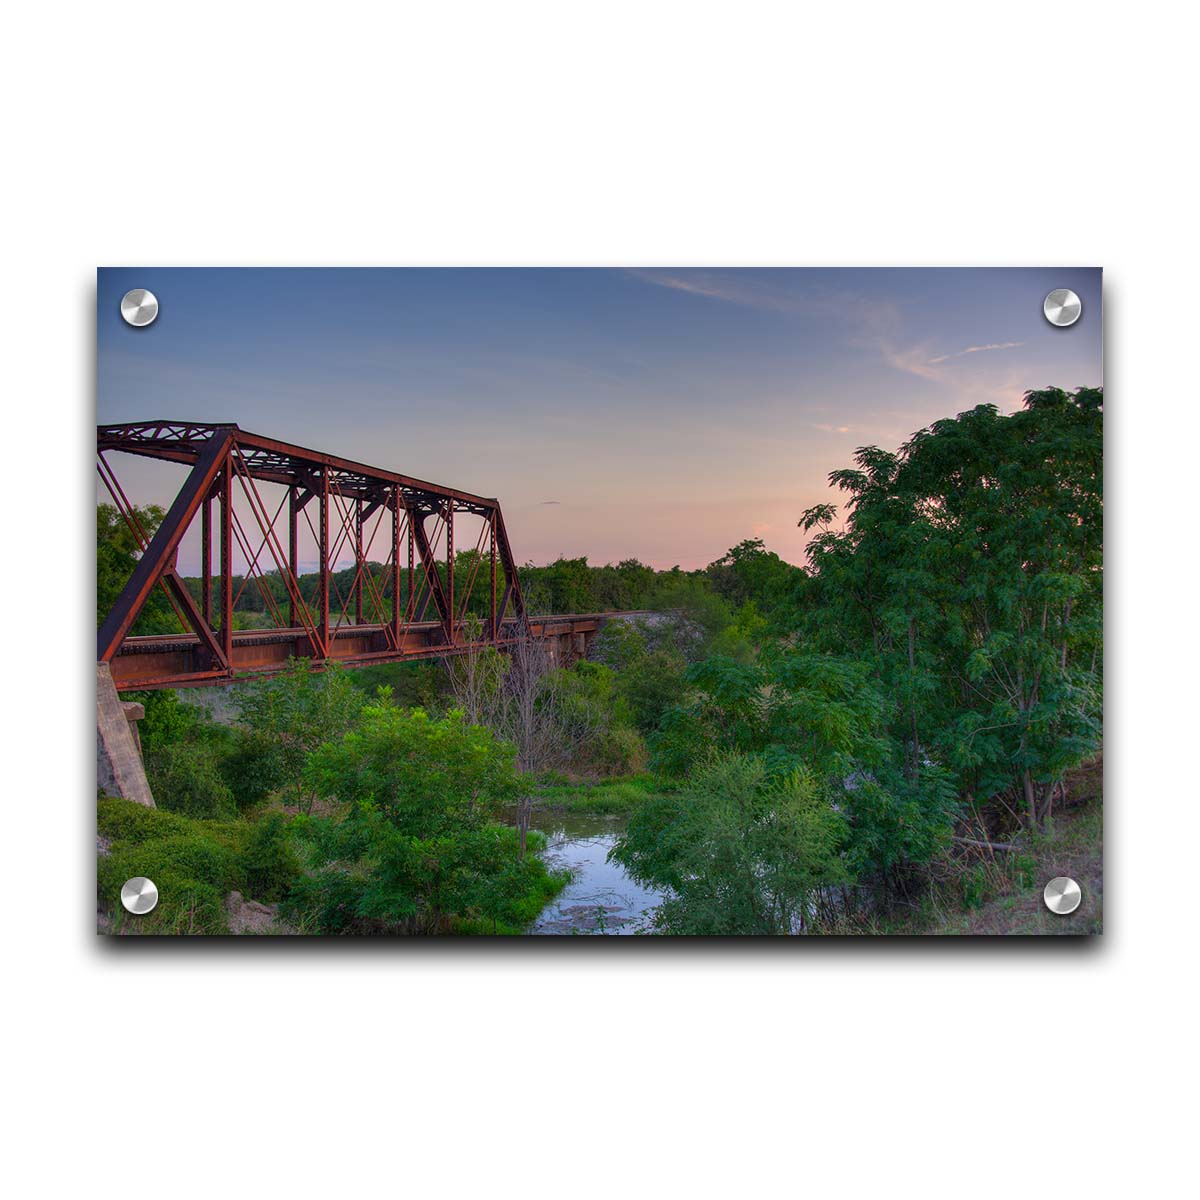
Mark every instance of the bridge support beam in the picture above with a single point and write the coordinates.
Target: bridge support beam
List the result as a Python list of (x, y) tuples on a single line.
[(119, 767)]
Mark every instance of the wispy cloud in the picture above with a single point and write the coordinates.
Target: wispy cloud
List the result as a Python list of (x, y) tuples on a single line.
[(723, 286), (915, 361), (977, 350), (859, 313), (833, 428)]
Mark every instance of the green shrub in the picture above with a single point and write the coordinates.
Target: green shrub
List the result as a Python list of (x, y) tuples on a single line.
[(974, 887), (118, 820), (253, 768), (183, 856), (604, 796), (186, 779), (295, 712), (192, 865), (268, 861), (621, 751), (738, 851), (168, 719), (185, 907)]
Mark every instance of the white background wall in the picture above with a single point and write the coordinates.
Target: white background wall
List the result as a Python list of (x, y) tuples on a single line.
[(673, 134)]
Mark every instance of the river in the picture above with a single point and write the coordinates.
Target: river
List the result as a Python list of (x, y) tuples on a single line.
[(601, 898)]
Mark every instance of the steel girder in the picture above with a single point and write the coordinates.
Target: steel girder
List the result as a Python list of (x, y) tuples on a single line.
[(383, 618)]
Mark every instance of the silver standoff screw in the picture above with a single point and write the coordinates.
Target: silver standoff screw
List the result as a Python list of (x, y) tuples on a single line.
[(139, 307), (139, 895), (1062, 307), (1062, 895)]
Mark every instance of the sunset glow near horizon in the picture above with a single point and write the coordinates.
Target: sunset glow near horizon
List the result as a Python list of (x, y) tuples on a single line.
[(658, 414)]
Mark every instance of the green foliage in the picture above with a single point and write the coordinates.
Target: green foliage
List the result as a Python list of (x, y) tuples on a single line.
[(413, 685), (897, 822), (292, 714), (595, 716), (419, 850), (117, 553), (738, 851), (426, 777), (269, 860), (122, 820), (650, 685), (185, 778), (572, 585), (253, 767), (749, 573), (742, 638), (823, 713), (790, 705), (194, 864), (691, 595), (371, 878), (969, 577), (168, 720), (603, 795)]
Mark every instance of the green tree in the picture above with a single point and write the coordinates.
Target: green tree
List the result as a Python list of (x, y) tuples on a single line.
[(749, 572), (420, 844), (423, 775), (290, 715), (117, 553), (738, 851), (969, 575)]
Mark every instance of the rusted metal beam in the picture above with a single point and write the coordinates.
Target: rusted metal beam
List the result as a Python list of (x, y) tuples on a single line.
[(215, 453), (429, 562), (227, 556), (160, 553)]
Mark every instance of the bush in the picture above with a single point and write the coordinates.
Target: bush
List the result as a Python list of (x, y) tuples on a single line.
[(122, 820), (253, 769), (736, 851), (186, 907), (295, 712), (652, 684), (269, 863), (186, 779), (620, 751), (192, 867), (182, 856), (418, 849), (194, 863), (168, 719), (604, 796), (384, 882)]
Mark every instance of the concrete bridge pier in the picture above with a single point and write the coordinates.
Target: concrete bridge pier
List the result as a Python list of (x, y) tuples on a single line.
[(568, 646), (119, 767)]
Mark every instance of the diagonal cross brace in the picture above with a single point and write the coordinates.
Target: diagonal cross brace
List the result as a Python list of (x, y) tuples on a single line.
[(158, 560), (431, 571)]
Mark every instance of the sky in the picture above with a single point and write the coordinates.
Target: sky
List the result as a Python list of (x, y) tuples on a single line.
[(654, 413)]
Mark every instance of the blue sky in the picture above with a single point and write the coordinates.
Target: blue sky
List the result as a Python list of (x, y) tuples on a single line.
[(656, 413)]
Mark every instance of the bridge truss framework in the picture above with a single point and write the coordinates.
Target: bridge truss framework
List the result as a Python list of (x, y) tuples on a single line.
[(415, 607)]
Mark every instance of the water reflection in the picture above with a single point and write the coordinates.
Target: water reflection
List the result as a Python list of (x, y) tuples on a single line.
[(601, 898)]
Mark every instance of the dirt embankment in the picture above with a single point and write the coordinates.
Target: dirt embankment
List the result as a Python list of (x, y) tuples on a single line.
[(1072, 846)]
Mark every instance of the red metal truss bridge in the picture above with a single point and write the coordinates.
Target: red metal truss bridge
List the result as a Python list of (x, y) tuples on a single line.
[(424, 599)]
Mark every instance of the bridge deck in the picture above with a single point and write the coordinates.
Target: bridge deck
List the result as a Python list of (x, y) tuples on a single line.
[(173, 660)]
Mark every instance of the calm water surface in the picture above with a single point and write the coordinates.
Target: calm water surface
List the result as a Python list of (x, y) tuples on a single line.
[(601, 898)]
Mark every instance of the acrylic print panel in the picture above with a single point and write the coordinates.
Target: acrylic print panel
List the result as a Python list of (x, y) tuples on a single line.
[(670, 602)]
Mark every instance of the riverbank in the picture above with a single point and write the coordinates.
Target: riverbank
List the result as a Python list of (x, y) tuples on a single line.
[(1001, 895), (619, 795)]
